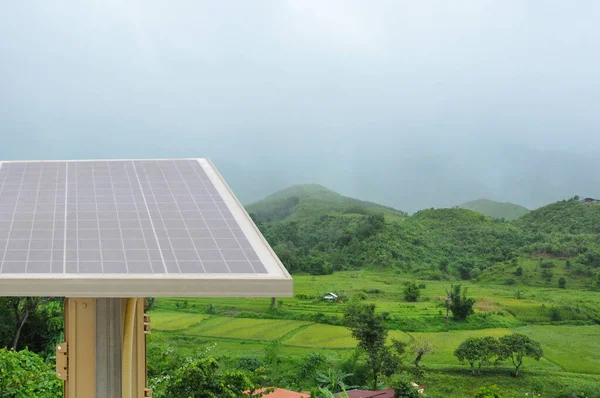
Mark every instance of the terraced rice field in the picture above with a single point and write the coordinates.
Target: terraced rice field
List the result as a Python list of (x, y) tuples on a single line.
[(246, 329), (169, 321)]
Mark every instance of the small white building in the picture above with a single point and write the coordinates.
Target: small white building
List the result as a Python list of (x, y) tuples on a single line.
[(330, 296)]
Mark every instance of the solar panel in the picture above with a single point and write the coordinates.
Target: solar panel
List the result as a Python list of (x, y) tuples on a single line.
[(92, 227)]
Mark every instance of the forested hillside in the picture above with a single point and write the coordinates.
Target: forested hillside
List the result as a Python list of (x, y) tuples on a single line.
[(309, 200), (438, 244), (572, 216)]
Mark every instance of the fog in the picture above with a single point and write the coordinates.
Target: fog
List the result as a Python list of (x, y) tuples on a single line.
[(412, 104)]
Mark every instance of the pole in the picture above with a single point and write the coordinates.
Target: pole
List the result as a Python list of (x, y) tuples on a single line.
[(91, 359)]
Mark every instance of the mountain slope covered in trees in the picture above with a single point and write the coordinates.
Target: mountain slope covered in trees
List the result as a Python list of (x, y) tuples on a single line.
[(434, 243), (491, 208), (307, 200)]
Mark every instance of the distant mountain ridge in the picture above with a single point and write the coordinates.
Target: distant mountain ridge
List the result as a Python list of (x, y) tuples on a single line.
[(316, 230), (491, 208), (299, 200)]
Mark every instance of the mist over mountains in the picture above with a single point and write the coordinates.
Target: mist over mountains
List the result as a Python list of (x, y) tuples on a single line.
[(410, 181), (409, 104)]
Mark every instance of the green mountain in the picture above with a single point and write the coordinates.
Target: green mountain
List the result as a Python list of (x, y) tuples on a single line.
[(573, 216), (508, 211), (315, 230), (310, 199)]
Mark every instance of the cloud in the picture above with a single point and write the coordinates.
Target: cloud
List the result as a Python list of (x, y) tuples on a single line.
[(335, 24)]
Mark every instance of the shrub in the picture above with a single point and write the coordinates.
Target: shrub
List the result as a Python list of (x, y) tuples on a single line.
[(461, 305), (24, 374), (547, 275), (402, 387), (412, 292), (488, 391), (203, 378), (422, 286), (547, 264), (211, 309), (555, 315), (562, 282), (519, 271), (361, 295)]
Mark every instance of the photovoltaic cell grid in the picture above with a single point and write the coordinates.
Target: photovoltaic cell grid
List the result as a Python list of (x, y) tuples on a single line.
[(115, 217)]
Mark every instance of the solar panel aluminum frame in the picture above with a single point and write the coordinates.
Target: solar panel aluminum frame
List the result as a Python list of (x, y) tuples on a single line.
[(275, 283)]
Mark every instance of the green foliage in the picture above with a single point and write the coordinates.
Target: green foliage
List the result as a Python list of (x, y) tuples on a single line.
[(402, 387), (478, 351), (412, 292), (547, 275), (488, 391), (211, 309), (519, 271), (567, 216), (202, 378), (315, 198), (369, 329), (517, 347), (325, 232), (333, 380), (24, 374), (42, 327), (461, 305), (562, 282)]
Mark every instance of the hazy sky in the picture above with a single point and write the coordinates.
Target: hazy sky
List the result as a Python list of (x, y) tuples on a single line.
[(294, 91)]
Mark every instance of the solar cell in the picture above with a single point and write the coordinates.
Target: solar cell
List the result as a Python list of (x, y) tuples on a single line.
[(170, 219)]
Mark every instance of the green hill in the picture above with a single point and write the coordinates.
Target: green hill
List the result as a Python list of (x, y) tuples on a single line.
[(491, 208), (310, 199), (315, 230), (567, 216)]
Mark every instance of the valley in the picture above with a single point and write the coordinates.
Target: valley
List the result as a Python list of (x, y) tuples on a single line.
[(511, 269)]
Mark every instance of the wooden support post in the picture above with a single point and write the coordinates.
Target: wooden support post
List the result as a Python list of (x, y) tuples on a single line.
[(80, 336), (89, 361)]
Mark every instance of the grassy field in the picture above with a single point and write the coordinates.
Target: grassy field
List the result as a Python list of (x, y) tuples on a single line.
[(571, 344)]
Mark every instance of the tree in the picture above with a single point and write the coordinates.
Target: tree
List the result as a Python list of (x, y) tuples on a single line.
[(547, 274), (477, 351), (370, 331), (517, 347), (448, 301), (24, 374), (443, 266), (22, 308), (202, 378), (272, 358), (562, 282), (412, 292), (149, 303), (421, 347), (461, 306)]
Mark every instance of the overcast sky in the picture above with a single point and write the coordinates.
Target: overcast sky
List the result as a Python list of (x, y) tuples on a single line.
[(272, 85)]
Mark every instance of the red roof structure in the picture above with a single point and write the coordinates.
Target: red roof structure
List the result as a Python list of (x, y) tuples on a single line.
[(281, 393), (389, 393)]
